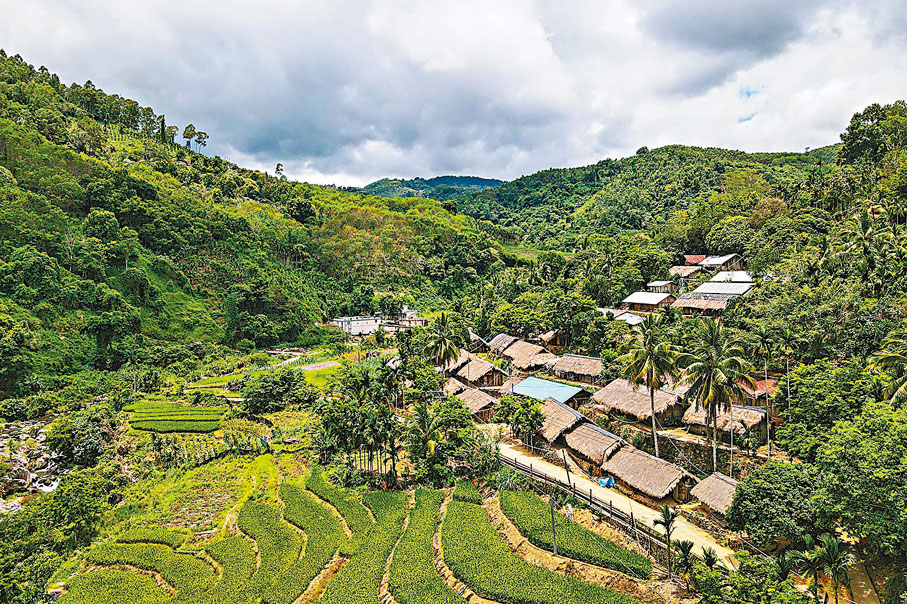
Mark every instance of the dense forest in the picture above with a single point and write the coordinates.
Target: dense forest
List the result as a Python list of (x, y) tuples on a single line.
[(442, 188), (141, 282)]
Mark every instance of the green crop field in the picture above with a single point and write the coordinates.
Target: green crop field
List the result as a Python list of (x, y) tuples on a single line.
[(532, 518), (165, 417)]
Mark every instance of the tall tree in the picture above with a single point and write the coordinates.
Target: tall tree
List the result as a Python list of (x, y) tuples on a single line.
[(788, 339), (443, 344), (189, 133), (835, 561), (716, 371), (649, 360), (666, 521), (765, 342), (893, 360)]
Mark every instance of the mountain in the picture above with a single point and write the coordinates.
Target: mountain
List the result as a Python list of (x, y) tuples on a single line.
[(442, 188), (554, 206)]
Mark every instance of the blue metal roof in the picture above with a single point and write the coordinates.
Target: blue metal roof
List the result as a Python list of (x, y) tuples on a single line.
[(542, 389)]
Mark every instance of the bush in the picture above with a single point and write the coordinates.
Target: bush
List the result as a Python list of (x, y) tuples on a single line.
[(532, 517), (479, 557), (466, 491), (413, 576)]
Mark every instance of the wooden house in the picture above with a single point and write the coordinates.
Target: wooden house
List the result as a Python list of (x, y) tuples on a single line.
[(728, 262), (623, 397), (592, 445), (662, 287), (480, 404), (647, 301), (647, 474), (716, 493), (578, 368), (526, 356), (559, 418), (553, 340), (737, 419), (498, 344)]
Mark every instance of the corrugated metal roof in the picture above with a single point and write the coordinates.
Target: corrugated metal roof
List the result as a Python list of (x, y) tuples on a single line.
[(717, 260), (719, 287), (652, 298), (630, 319), (733, 277), (659, 283), (540, 389)]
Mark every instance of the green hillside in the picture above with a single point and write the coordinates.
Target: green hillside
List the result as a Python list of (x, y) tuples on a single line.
[(442, 188), (559, 205)]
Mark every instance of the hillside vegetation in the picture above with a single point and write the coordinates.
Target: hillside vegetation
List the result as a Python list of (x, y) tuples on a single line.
[(442, 188)]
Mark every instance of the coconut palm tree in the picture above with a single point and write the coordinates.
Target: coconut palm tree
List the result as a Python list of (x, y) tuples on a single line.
[(765, 341), (649, 359), (834, 560), (666, 521), (424, 429), (893, 360), (442, 344), (715, 371)]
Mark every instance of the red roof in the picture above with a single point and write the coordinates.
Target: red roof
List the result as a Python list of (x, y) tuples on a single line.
[(693, 259), (761, 387)]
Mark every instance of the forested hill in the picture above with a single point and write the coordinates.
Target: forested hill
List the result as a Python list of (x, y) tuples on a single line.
[(553, 206), (442, 188), (118, 236)]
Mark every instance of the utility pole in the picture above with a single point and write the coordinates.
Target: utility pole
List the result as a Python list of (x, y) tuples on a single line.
[(553, 532)]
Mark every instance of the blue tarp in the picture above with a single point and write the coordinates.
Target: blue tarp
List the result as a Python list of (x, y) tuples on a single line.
[(544, 389)]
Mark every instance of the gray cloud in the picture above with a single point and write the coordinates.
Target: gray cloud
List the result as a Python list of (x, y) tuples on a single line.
[(349, 92)]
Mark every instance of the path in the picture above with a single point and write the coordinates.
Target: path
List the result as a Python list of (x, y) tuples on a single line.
[(683, 529), (860, 585)]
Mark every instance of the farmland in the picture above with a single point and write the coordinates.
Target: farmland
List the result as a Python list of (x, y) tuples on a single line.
[(168, 417)]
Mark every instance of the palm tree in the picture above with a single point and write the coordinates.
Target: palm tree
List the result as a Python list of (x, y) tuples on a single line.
[(685, 559), (784, 564), (787, 338), (649, 360), (667, 522), (716, 372), (893, 360), (809, 557), (834, 560), (442, 342), (424, 429), (765, 340), (709, 557)]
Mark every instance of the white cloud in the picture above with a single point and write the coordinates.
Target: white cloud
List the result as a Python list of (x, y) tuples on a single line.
[(350, 92)]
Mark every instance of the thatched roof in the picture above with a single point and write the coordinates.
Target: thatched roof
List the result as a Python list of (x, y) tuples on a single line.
[(454, 364), (594, 443), (510, 384), (475, 338), (716, 492), (620, 396), (648, 474), (559, 418), (476, 400), (548, 336), (703, 301), (452, 387), (476, 368), (500, 342), (521, 349), (684, 271), (536, 361), (578, 365), (742, 416)]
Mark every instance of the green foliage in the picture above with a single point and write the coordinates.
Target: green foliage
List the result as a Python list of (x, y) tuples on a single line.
[(442, 188), (532, 518), (237, 559), (165, 417), (113, 587), (358, 581), (83, 436), (413, 577), (755, 580), (465, 490), (776, 500), (354, 513), (479, 557), (153, 534), (276, 391), (190, 576), (279, 546)]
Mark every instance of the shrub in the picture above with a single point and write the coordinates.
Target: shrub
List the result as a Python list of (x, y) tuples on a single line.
[(479, 557), (532, 518), (466, 491), (413, 577)]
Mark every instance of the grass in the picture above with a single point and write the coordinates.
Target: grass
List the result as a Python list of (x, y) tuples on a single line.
[(479, 557), (466, 491), (413, 576), (532, 517), (168, 417), (237, 559)]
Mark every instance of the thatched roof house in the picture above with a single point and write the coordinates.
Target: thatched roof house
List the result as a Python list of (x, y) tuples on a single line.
[(579, 368), (453, 386), (621, 396), (476, 342), (525, 355), (453, 365), (738, 418), (716, 492), (479, 403), (500, 342), (480, 372), (706, 304), (647, 474), (593, 443), (559, 418), (508, 386)]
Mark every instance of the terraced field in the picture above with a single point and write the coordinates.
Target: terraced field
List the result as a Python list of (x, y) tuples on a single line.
[(162, 416), (310, 540)]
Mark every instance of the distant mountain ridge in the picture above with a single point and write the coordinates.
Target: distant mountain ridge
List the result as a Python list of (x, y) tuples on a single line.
[(441, 188)]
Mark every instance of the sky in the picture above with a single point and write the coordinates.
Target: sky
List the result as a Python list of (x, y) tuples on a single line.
[(348, 91)]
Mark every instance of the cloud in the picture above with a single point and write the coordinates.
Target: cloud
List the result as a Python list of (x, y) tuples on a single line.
[(348, 93)]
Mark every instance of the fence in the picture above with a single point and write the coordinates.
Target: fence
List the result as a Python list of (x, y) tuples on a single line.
[(653, 542)]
